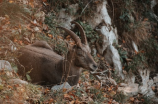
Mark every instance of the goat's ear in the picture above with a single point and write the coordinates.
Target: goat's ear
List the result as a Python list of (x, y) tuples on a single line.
[(75, 46)]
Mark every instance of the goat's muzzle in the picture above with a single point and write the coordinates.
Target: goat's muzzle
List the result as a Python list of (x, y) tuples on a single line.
[(93, 67)]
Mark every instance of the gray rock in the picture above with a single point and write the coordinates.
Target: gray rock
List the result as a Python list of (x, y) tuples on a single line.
[(5, 65), (60, 87), (17, 81), (129, 90)]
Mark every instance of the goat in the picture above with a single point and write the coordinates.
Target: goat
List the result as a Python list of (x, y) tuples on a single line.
[(46, 67)]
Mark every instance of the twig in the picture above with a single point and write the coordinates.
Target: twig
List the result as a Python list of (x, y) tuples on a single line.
[(102, 77), (64, 66), (99, 73), (69, 68), (86, 6)]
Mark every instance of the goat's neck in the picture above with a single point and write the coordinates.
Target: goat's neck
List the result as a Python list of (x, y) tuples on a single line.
[(72, 71), (70, 63)]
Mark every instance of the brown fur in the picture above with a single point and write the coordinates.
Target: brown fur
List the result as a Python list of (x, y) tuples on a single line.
[(46, 67), (43, 44)]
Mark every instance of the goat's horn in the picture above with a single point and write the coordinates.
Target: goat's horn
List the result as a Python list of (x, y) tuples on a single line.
[(73, 35), (83, 35)]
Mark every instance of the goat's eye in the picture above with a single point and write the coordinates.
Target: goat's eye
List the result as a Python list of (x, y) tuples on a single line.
[(80, 53)]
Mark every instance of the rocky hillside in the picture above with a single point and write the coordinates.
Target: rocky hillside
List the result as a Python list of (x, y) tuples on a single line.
[(122, 35)]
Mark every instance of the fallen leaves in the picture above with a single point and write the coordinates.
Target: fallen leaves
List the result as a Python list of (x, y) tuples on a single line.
[(15, 92), (90, 90), (68, 97), (132, 99), (11, 1), (70, 40)]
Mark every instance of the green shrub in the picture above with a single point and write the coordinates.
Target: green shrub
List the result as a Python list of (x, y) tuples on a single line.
[(91, 35)]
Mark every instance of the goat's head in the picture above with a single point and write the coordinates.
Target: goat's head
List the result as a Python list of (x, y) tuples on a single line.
[(83, 56)]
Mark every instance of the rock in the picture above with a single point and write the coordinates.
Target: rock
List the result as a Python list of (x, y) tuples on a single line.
[(153, 3), (110, 36), (129, 90), (135, 46), (5, 65), (155, 79), (100, 15), (130, 78), (94, 51), (103, 46), (65, 18), (13, 48), (60, 87), (36, 29), (146, 89), (17, 81), (116, 61)]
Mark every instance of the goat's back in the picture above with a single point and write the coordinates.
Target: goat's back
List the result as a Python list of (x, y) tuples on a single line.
[(42, 64)]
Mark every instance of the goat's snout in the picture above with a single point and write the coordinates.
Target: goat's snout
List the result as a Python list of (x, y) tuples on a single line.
[(93, 67)]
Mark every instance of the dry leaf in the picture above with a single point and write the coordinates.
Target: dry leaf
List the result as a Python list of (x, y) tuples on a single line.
[(112, 93), (132, 99), (123, 67), (20, 42), (135, 52), (64, 89), (60, 37), (153, 88), (98, 55), (123, 41), (11, 1), (50, 100), (77, 101), (1, 1), (145, 19), (66, 96), (31, 3), (44, 0), (49, 35), (45, 27), (110, 88), (72, 102)]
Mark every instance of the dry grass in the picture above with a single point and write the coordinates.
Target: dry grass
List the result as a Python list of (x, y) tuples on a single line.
[(16, 92), (16, 13), (138, 33)]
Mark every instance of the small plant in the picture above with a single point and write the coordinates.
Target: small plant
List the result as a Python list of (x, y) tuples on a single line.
[(98, 95), (70, 11), (146, 57), (58, 44), (61, 47), (150, 48), (123, 53), (91, 35), (138, 32), (16, 92), (126, 13), (139, 61), (86, 8), (148, 100), (50, 20), (120, 97)]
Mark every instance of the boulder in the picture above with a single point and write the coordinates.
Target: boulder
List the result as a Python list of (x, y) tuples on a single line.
[(60, 87)]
